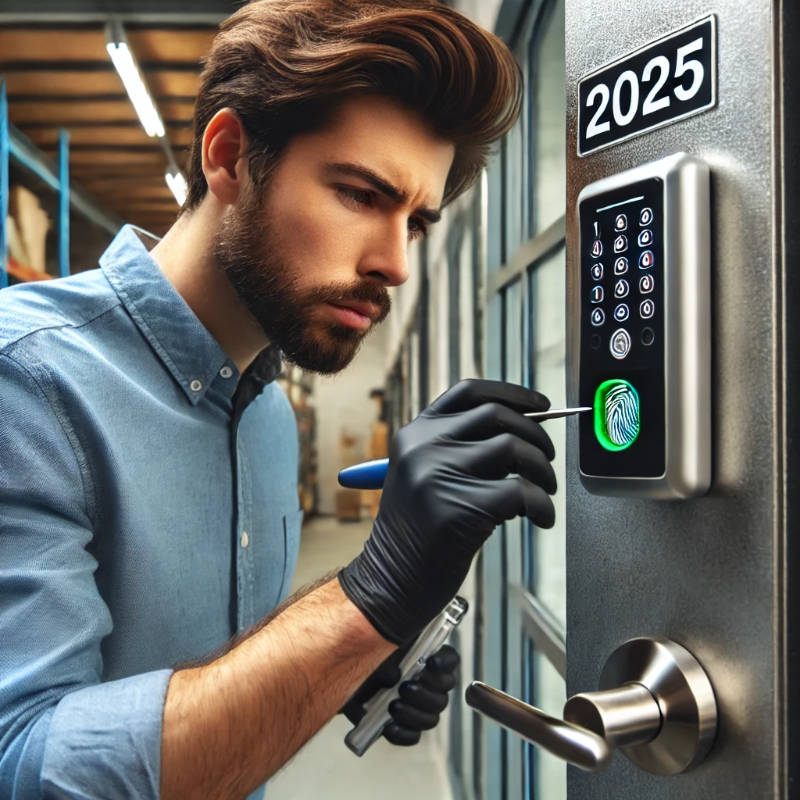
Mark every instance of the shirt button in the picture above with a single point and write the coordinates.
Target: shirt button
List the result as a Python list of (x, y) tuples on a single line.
[(196, 385), (245, 539), (226, 372)]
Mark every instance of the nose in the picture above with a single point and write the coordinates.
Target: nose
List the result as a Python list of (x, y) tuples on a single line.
[(386, 255)]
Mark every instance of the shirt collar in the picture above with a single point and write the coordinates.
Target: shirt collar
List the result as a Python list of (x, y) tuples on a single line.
[(186, 348)]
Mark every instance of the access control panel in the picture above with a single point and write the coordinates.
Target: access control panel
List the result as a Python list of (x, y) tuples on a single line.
[(645, 331)]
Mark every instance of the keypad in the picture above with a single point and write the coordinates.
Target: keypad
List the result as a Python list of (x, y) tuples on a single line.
[(621, 300), (622, 341)]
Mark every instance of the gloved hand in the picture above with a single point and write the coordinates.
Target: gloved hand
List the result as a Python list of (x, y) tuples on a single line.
[(422, 698), (446, 489)]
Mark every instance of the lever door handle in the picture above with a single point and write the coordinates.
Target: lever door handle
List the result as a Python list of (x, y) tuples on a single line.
[(594, 723), (656, 704), (572, 743)]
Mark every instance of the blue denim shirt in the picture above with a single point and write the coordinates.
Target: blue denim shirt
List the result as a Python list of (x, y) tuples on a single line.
[(147, 513)]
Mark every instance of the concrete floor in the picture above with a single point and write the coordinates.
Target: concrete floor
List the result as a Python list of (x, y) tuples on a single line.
[(325, 768)]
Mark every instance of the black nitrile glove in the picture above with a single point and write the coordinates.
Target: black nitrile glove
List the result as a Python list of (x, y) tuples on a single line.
[(446, 489), (422, 698)]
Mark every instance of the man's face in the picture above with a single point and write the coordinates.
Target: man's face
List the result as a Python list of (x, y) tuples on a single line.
[(311, 259)]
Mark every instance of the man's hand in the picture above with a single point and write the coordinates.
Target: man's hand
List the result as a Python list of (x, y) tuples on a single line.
[(446, 490), (421, 701)]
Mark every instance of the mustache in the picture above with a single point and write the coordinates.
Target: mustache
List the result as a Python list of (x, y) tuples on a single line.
[(363, 292)]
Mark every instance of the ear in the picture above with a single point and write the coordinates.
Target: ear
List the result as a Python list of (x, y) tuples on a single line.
[(224, 143)]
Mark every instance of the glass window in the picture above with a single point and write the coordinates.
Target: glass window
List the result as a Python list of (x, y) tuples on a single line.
[(525, 191), (547, 104), (548, 368), (548, 774)]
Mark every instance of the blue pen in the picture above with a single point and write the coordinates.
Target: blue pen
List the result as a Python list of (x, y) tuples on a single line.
[(371, 474)]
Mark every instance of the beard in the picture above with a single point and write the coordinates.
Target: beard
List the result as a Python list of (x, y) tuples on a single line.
[(247, 250)]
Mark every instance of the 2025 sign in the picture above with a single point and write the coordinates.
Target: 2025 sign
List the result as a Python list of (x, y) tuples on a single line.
[(663, 82)]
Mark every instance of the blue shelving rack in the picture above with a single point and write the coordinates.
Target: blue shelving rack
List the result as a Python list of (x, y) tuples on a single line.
[(14, 145)]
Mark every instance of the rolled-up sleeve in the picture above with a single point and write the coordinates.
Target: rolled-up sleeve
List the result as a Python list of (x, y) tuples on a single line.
[(63, 732)]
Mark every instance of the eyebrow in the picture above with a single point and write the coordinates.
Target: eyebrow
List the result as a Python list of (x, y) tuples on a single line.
[(395, 194)]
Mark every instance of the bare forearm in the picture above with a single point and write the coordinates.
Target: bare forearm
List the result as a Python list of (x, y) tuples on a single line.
[(231, 724)]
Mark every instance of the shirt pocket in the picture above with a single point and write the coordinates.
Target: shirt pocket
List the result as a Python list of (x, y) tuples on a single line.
[(292, 524)]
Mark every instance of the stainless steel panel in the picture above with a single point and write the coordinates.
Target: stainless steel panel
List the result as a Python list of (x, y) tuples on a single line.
[(685, 229), (703, 572)]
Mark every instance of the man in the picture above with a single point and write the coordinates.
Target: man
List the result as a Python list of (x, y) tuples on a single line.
[(147, 484)]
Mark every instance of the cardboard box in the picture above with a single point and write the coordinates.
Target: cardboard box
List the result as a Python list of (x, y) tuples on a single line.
[(379, 440), (348, 504), (31, 223), (351, 449)]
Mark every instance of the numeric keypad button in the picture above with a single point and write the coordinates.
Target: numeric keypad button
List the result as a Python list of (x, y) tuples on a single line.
[(597, 294), (597, 248), (646, 284), (645, 238), (620, 244), (620, 222), (621, 312), (646, 259), (646, 309), (645, 216), (597, 272), (620, 344), (598, 317), (621, 266), (621, 289)]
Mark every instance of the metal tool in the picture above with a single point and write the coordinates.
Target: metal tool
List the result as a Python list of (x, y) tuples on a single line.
[(377, 715), (371, 474)]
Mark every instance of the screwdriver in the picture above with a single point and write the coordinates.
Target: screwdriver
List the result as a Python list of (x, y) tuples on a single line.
[(371, 474), (376, 709)]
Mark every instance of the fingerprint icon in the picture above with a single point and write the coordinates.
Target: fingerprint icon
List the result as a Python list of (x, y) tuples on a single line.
[(622, 414), (616, 414)]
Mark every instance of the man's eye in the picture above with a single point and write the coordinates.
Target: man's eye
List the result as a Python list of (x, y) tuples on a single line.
[(417, 228), (356, 197)]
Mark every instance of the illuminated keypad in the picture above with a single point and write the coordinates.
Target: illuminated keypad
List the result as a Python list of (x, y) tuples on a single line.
[(629, 232)]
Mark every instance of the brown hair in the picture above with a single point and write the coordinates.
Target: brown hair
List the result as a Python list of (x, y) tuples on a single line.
[(284, 65)]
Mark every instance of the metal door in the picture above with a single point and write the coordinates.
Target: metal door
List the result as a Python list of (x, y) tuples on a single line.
[(717, 573)]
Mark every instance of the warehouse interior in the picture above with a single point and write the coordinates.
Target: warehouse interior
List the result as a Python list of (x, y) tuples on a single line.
[(80, 162)]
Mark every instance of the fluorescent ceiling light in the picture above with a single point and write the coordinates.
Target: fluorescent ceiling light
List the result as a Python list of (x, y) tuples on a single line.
[(177, 185), (123, 60)]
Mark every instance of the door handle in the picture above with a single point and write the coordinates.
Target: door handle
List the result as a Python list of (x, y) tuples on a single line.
[(572, 738), (655, 704)]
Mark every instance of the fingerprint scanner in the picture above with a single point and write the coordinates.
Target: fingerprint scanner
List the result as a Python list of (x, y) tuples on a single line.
[(616, 414)]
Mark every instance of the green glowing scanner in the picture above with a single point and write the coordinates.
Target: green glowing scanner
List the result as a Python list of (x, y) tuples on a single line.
[(616, 415)]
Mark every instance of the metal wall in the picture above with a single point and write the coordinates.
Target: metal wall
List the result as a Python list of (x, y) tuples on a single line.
[(708, 572)]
